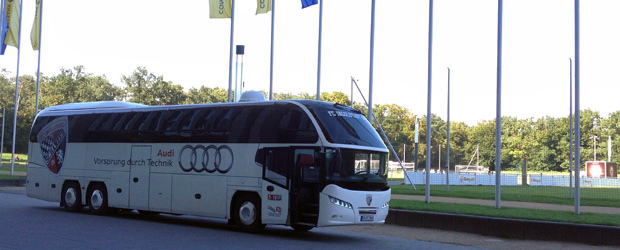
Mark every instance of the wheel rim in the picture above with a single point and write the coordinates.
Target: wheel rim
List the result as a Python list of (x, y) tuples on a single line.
[(247, 213), (70, 197), (96, 199)]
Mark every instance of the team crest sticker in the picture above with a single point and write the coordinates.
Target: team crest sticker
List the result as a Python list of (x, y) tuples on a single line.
[(53, 141)]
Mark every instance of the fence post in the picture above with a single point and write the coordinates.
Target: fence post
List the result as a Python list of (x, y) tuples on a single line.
[(524, 173)]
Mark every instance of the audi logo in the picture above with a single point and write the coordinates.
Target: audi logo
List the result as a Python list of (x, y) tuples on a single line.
[(210, 158)]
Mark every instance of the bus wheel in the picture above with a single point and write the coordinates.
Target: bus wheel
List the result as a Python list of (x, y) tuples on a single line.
[(301, 228), (71, 198), (249, 214), (98, 199)]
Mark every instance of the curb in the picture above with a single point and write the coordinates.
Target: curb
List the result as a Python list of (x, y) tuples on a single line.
[(21, 181), (507, 228)]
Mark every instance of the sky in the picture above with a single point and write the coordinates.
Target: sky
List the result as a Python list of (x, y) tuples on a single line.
[(178, 40)]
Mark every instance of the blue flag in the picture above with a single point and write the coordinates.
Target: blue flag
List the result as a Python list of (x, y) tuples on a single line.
[(4, 26), (306, 3)]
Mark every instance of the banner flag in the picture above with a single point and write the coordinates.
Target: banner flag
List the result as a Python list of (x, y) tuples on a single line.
[(12, 14), (307, 3), (219, 8), (263, 6), (35, 33), (4, 26)]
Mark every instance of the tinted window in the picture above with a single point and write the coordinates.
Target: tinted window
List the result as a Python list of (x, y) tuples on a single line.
[(277, 163), (38, 124), (275, 123), (245, 121), (344, 125), (287, 123)]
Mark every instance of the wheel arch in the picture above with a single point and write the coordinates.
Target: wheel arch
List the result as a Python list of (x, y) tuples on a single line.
[(65, 183), (89, 188), (233, 201)]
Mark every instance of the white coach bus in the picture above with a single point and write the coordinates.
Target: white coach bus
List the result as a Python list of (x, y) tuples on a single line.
[(254, 163)]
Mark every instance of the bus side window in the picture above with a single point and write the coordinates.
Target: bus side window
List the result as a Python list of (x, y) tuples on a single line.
[(150, 123), (256, 127), (78, 127), (136, 120), (276, 163), (180, 121), (122, 121), (287, 123), (243, 124), (38, 125), (296, 126)]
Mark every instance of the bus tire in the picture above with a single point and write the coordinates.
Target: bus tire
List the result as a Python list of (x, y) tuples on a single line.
[(248, 214), (71, 197), (98, 199), (301, 228)]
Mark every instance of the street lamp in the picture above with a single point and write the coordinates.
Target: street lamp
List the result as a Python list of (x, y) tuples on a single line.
[(239, 84)]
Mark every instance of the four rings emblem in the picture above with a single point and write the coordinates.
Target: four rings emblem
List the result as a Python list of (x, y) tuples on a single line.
[(207, 158)]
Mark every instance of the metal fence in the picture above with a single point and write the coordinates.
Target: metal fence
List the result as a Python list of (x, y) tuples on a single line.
[(542, 185)]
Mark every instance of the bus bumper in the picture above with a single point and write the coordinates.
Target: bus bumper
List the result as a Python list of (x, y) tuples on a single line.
[(340, 206)]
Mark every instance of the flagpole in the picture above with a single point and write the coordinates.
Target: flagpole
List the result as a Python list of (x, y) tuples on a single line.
[(448, 139), (273, 15), (429, 116), (577, 114), (36, 110), (230, 59), (570, 115), (19, 39), (372, 55), (318, 70), (498, 118)]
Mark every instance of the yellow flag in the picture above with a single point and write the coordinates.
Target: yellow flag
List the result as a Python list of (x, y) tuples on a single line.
[(12, 16), (263, 6), (219, 8), (35, 33)]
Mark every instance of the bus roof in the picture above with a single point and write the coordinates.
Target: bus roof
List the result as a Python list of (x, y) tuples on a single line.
[(119, 106)]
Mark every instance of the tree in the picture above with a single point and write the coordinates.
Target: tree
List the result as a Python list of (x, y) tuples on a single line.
[(25, 110), (483, 136), (290, 96), (397, 122), (336, 97), (206, 95), (75, 85), (611, 127), (146, 88), (458, 141)]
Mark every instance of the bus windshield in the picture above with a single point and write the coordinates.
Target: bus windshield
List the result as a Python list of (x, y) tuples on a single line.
[(344, 125), (356, 169)]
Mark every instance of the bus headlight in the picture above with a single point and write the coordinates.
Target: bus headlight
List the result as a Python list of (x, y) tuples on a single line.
[(340, 202), (387, 204)]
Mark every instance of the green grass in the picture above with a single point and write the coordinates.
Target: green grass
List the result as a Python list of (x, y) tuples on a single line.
[(6, 157), (18, 168), (20, 165), (590, 196), (8, 176), (509, 212)]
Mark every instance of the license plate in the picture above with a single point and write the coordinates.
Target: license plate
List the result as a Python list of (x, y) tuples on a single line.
[(367, 218)]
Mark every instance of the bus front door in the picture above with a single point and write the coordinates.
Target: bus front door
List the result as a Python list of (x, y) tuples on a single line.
[(304, 188), (275, 205), (139, 177), (294, 169)]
